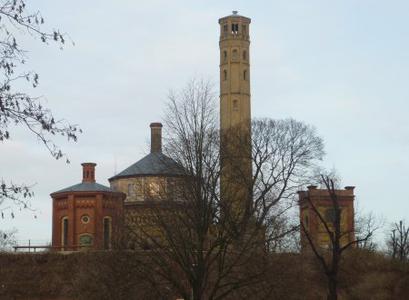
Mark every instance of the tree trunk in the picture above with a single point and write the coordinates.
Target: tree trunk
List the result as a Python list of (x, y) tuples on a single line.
[(332, 289)]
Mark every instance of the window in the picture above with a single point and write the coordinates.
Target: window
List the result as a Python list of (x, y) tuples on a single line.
[(330, 215), (85, 219), (245, 74), (131, 191), (224, 55), (235, 104), (224, 75), (244, 55), (235, 28), (64, 232), (107, 232), (154, 189), (235, 54)]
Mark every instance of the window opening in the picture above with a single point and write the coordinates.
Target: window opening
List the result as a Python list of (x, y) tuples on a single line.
[(234, 28), (107, 232), (245, 74), (64, 238), (235, 105), (225, 75)]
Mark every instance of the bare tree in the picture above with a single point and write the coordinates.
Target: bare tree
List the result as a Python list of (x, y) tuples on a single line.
[(193, 244), (398, 241), (16, 106), (330, 259), (8, 239)]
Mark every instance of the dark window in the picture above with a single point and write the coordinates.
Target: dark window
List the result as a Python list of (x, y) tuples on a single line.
[(107, 233), (245, 75), (224, 55), (235, 104), (65, 231), (330, 215), (235, 28), (244, 54), (225, 74)]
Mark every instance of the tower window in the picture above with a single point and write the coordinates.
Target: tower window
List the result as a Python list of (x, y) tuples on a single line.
[(245, 74), (235, 28), (224, 75), (224, 55), (235, 104), (235, 54), (245, 55)]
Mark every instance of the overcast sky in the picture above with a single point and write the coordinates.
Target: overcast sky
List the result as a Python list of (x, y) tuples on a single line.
[(341, 66)]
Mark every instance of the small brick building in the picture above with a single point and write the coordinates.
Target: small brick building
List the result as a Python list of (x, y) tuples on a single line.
[(86, 215), (321, 200)]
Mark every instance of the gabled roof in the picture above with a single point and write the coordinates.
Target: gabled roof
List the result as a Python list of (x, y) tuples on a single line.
[(86, 187), (155, 163)]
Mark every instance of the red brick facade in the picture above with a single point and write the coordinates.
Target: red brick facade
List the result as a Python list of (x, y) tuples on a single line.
[(86, 215)]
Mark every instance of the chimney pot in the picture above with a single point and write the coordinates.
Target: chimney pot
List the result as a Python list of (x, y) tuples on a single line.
[(156, 137), (88, 172)]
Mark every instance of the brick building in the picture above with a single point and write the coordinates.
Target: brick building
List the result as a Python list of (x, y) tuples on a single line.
[(86, 215), (321, 200)]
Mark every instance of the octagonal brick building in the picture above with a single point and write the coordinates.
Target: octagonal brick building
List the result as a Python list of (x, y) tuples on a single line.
[(86, 215)]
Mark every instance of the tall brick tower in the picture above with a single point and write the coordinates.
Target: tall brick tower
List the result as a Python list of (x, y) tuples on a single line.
[(235, 114)]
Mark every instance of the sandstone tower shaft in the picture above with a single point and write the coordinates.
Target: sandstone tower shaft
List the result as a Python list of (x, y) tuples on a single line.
[(235, 113)]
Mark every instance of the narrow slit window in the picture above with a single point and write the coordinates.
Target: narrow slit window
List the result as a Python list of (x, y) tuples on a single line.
[(245, 74), (225, 55), (245, 55), (64, 231), (225, 75), (107, 232), (235, 104)]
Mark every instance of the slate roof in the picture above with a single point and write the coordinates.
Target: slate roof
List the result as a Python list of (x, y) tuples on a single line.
[(155, 163), (86, 187)]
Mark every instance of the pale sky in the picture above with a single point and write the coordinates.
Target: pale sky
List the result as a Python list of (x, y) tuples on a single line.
[(342, 66)]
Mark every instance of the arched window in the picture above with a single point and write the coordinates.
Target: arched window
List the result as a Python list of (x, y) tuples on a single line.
[(235, 104), (235, 28), (64, 232), (107, 229), (225, 75), (235, 54)]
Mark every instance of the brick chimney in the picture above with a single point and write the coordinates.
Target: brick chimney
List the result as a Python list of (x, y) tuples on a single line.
[(88, 172), (156, 137)]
